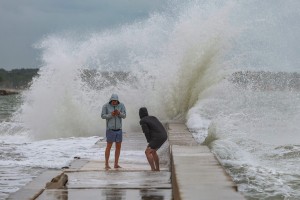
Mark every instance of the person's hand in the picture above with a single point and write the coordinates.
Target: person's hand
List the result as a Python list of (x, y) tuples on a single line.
[(115, 113)]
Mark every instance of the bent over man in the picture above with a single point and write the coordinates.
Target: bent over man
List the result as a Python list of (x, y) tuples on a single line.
[(155, 134), (113, 111)]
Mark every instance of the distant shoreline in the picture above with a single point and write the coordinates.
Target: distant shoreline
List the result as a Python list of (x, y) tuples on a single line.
[(13, 81), (4, 92)]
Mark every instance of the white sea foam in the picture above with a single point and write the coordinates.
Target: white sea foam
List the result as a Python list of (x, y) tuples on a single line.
[(254, 134), (28, 158)]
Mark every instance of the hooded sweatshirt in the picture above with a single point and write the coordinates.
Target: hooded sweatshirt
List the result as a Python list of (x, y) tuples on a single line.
[(113, 122), (152, 127)]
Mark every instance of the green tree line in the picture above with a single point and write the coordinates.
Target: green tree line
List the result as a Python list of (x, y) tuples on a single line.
[(16, 78)]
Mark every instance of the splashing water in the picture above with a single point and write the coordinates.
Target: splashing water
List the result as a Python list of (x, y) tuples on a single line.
[(160, 51)]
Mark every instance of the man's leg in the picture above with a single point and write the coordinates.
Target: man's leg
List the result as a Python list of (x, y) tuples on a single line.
[(156, 160), (149, 156), (107, 153), (117, 154)]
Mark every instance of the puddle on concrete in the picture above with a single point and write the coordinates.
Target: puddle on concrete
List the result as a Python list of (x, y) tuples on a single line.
[(107, 194)]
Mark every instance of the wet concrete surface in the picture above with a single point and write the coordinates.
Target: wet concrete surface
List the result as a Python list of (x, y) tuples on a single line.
[(196, 172), (87, 179), (107, 194), (119, 179), (35, 187)]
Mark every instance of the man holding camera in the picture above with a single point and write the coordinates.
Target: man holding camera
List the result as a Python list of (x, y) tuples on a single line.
[(113, 112)]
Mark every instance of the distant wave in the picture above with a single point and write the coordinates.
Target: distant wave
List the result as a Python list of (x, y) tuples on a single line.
[(262, 80)]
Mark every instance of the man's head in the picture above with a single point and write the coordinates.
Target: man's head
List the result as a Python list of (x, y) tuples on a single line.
[(143, 112), (114, 100)]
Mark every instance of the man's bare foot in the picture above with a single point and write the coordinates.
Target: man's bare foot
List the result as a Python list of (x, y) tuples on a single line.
[(117, 166), (107, 167)]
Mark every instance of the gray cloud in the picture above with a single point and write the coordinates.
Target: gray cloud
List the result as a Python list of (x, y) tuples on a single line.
[(23, 23)]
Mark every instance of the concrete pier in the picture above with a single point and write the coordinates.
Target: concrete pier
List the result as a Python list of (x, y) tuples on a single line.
[(196, 173), (188, 171)]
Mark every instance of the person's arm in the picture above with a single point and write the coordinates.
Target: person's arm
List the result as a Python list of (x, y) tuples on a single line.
[(146, 130), (105, 114), (122, 112)]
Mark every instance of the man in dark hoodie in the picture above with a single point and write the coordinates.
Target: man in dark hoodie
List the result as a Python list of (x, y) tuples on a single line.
[(113, 111), (155, 134)]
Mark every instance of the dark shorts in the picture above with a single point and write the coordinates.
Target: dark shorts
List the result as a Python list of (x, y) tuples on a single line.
[(156, 144), (114, 136)]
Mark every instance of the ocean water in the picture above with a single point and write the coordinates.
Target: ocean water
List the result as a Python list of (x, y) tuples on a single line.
[(229, 69)]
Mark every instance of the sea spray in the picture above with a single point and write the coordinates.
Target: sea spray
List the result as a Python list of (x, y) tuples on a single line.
[(197, 55), (162, 56)]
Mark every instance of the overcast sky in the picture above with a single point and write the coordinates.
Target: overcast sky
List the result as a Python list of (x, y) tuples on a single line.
[(23, 23)]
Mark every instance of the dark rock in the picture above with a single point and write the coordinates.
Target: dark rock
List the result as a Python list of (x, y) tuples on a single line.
[(58, 182)]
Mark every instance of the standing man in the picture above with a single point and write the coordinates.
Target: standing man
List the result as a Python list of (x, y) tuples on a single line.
[(155, 134), (113, 112)]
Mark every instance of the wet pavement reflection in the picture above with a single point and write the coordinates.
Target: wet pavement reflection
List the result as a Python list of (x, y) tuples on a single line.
[(107, 194), (113, 193)]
